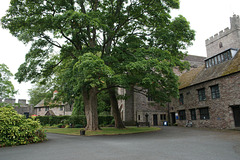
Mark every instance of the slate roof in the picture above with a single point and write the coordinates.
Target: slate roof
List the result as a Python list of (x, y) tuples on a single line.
[(194, 58), (202, 74), (41, 104)]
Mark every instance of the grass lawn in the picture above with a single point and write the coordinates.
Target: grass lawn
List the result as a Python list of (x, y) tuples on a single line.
[(104, 131)]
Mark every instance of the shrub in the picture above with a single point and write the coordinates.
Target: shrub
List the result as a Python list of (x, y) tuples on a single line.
[(79, 119), (73, 120), (52, 120), (15, 129), (61, 125), (105, 120)]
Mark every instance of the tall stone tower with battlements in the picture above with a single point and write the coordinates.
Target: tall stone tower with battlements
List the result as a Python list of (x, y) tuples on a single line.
[(229, 38)]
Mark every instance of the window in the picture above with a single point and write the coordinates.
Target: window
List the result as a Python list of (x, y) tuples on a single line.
[(204, 113), (193, 114), (222, 59), (207, 65), (215, 60), (220, 45), (229, 55), (219, 59), (181, 99), (150, 98), (225, 58), (39, 109), (201, 94), (139, 117), (215, 92), (46, 108), (182, 115), (61, 108), (163, 116)]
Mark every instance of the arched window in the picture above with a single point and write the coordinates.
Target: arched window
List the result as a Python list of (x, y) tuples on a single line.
[(220, 45)]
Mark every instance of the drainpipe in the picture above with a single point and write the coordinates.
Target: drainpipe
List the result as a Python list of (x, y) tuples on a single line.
[(168, 114)]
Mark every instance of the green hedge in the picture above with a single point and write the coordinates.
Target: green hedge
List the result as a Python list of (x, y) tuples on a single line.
[(74, 120), (51, 120)]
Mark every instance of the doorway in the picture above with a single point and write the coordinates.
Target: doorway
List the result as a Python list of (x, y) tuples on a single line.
[(236, 115), (173, 117), (155, 119)]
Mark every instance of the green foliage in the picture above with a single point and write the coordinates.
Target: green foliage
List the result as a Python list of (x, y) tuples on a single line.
[(92, 71), (6, 87), (51, 120), (105, 120), (103, 45), (15, 129), (73, 120), (38, 93), (78, 107), (79, 119), (104, 106)]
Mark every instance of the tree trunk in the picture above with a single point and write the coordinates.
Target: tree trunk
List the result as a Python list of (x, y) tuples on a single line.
[(90, 104), (116, 113)]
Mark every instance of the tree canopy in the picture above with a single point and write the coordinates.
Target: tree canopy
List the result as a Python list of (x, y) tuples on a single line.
[(95, 45), (6, 87)]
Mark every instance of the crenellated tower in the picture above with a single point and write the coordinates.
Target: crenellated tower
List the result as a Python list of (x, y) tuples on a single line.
[(225, 39)]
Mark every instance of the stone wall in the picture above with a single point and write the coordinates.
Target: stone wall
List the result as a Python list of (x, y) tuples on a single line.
[(137, 104), (220, 111), (21, 106), (229, 38)]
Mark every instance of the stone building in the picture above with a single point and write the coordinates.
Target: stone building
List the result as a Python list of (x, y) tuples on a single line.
[(210, 94), (139, 108), (229, 38), (57, 109), (21, 106)]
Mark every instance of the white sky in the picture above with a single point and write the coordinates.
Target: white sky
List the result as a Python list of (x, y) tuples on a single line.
[(206, 17)]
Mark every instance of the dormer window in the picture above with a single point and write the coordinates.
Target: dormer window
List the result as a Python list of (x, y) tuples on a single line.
[(220, 58)]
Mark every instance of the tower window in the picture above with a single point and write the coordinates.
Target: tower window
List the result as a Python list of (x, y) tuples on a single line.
[(220, 45)]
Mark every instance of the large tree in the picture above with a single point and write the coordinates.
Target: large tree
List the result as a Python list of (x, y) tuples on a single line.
[(6, 87), (101, 45)]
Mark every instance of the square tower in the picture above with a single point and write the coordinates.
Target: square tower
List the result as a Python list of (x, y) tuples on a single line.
[(229, 38)]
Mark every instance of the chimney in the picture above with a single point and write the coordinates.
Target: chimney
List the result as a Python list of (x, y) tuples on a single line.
[(55, 93)]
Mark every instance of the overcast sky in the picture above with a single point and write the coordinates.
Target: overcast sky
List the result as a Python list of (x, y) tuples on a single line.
[(206, 17)]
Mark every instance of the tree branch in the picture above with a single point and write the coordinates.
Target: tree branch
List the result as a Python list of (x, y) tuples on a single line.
[(51, 42)]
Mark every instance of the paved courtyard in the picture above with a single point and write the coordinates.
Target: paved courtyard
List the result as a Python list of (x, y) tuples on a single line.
[(170, 143)]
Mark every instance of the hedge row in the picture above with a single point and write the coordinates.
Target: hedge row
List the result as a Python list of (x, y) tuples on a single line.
[(74, 120)]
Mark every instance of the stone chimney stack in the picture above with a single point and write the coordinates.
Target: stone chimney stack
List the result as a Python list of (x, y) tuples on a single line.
[(55, 93)]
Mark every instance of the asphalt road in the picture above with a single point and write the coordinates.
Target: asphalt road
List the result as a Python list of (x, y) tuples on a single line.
[(170, 143)]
